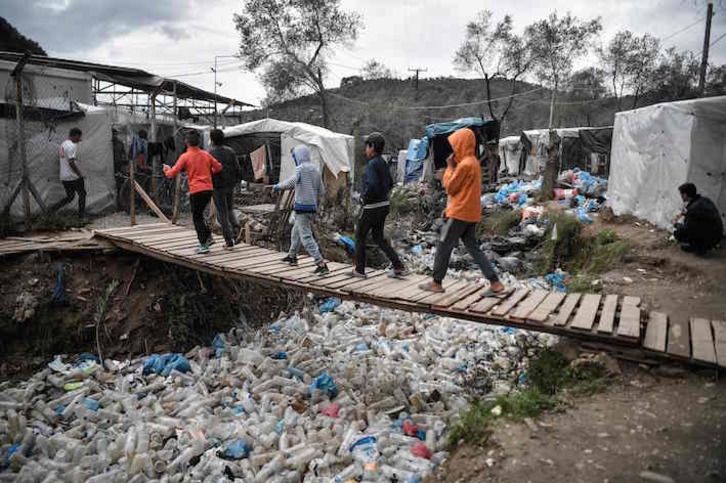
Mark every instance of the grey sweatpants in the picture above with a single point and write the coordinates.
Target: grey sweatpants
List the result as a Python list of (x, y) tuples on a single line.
[(451, 232), (302, 234)]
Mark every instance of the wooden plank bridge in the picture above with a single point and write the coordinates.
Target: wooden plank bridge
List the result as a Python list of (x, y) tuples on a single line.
[(611, 319)]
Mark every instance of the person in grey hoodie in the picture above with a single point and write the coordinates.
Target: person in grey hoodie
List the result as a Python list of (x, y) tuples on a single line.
[(308, 186)]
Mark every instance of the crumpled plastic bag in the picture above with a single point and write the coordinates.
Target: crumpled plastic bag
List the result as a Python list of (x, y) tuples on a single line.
[(326, 385), (329, 305), (237, 450), (163, 364)]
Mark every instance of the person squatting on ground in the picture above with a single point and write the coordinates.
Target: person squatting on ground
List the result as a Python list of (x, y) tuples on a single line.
[(701, 228), (199, 166), (308, 186), (224, 183), (462, 182), (377, 185), (70, 175)]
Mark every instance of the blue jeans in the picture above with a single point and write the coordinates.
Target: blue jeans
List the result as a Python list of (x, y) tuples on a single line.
[(302, 234)]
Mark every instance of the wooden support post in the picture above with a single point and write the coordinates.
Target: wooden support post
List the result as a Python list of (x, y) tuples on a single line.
[(177, 185), (20, 122), (155, 168), (150, 203), (132, 202)]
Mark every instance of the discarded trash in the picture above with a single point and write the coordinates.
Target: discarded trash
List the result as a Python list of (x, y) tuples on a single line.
[(329, 305), (237, 450), (164, 364), (324, 383)]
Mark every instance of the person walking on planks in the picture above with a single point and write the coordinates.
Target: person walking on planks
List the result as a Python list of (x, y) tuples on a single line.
[(377, 185), (224, 186), (70, 175), (462, 182), (199, 165), (308, 186)]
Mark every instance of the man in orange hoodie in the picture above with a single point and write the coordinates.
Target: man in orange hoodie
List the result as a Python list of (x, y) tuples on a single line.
[(462, 182), (199, 166)]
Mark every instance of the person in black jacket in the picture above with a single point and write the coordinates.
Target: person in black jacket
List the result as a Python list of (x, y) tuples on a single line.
[(377, 184), (702, 227), (224, 186)]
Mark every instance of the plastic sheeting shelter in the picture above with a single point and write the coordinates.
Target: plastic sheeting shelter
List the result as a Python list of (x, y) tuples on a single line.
[(657, 148), (329, 149), (95, 160), (587, 148)]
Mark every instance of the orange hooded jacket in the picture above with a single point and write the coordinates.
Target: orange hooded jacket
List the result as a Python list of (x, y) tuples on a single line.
[(463, 181)]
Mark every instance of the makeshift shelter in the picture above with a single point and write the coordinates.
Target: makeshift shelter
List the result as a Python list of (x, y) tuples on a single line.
[(43, 140), (587, 148), (510, 153), (332, 152), (429, 153), (657, 148)]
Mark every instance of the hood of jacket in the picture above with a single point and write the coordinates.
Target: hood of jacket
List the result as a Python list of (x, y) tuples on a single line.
[(301, 155), (463, 143)]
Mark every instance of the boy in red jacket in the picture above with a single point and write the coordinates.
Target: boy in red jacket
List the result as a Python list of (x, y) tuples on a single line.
[(199, 166)]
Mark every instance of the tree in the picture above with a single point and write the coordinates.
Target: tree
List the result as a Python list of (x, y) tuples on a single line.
[(293, 36), (630, 62), (676, 76), (584, 89), (556, 42), (496, 54), (716, 80), (373, 70), (13, 41)]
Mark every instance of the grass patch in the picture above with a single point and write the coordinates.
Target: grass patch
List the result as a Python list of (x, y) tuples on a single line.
[(548, 376), (584, 257), (400, 202), (500, 223)]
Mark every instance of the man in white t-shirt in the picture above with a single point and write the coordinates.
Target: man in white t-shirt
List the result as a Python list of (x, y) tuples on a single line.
[(70, 175)]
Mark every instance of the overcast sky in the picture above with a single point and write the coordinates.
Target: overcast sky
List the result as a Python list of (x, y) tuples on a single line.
[(180, 38)]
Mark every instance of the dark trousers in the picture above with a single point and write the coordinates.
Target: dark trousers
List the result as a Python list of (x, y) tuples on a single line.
[(373, 221), (695, 241), (199, 202), (453, 231), (73, 187), (224, 203)]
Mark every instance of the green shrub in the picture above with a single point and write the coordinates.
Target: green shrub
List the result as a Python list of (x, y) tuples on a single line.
[(500, 223)]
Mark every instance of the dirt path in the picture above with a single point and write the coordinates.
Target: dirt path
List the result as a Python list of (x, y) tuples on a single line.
[(675, 428)]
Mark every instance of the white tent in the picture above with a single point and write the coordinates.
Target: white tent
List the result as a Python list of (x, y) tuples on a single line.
[(657, 148), (334, 150), (95, 160)]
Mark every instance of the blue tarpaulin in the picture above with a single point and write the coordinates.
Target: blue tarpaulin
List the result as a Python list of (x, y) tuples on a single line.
[(451, 126), (417, 149), (163, 364)]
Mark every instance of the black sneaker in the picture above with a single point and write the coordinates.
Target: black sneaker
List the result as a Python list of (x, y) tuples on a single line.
[(322, 269), (291, 260)]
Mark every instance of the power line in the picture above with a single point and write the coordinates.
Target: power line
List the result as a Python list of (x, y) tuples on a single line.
[(721, 37), (697, 22)]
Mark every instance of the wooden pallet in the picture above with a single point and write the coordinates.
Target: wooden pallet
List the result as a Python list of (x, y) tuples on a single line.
[(610, 319)]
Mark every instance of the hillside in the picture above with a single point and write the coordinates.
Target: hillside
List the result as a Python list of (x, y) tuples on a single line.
[(393, 107)]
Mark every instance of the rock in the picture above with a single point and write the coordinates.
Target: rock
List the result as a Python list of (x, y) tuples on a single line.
[(497, 411), (669, 370), (656, 477), (511, 264), (596, 365), (627, 280)]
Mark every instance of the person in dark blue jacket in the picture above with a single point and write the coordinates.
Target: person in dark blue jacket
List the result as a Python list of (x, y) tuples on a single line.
[(377, 184)]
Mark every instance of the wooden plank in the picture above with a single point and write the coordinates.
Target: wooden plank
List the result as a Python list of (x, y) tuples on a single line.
[(445, 301), (452, 289), (369, 289), (702, 341), (543, 310), (585, 316), (170, 229), (351, 283), (150, 203), (719, 338), (301, 275), (168, 244), (656, 332), (607, 316), (528, 305), (509, 303), (464, 304), (129, 229), (679, 338), (417, 295), (277, 267), (251, 262), (567, 308), (484, 305), (629, 325), (394, 287)]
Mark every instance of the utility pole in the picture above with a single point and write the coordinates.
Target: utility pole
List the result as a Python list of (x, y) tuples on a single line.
[(704, 56), (417, 72), (214, 69)]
